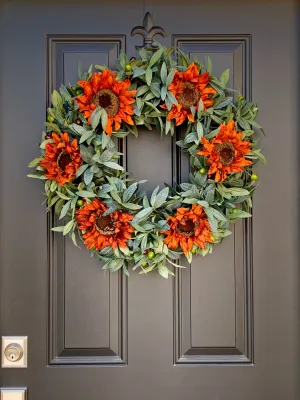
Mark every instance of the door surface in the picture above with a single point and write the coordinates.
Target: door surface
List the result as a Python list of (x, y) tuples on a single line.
[(227, 328)]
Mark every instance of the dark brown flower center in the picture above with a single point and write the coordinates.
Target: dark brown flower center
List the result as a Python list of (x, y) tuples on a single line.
[(63, 160), (105, 225), (108, 100), (226, 153), (187, 228), (189, 96)]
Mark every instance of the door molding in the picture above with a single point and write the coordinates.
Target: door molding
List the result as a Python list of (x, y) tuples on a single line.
[(185, 351), (58, 48)]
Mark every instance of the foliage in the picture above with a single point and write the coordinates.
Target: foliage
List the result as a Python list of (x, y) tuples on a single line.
[(101, 176)]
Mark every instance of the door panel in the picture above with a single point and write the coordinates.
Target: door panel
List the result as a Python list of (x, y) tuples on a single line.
[(88, 316), (226, 328), (213, 317)]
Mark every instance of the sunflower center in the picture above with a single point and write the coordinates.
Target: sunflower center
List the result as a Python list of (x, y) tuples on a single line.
[(63, 160), (108, 100), (189, 96), (188, 228), (226, 153), (105, 225)]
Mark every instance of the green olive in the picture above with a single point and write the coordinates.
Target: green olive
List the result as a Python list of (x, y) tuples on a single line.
[(194, 251), (151, 255), (80, 203), (144, 263), (235, 210), (98, 151), (202, 171), (128, 67), (254, 177)]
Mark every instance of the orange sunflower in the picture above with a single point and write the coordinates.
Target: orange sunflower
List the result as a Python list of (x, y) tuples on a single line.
[(105, 91), (189, 87), (188, 226), (226, 152), (103, 230), (62, 159)]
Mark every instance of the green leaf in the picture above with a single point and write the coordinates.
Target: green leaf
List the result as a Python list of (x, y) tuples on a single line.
[(105, 140), (64, 210), (81, 170), (85, 193), (53, 127), (77, 129), (190, 201), (113, 165), (115, 196), (148, 76), (95, 117), (58, 229), (240, 214), (212, 221), (161, 197), (57, 101), (44, 143), (65, 94), (68, 227), (170, 77), (142, 215), (80, 71), (224, 103), (62, 196), (105, 156), (153, 195), (73, 236), (129, 192), (104, 119), (199, 130), (132, 206), (53, 186), (163, 93), (172, 98), (224, 78), (156, 56), (200, 108), (203, 203), (163, 271), (142, 90), (208, 65), (105, 189), (88, 176), (35, 162), (254, 124), (86, 154), (163, 73), (217, 214), (138, 72), (85, 136), (238, 192), (122, 59)]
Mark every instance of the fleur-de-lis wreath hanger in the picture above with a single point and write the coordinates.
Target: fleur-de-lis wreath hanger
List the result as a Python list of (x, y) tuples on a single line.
[(148, 31)]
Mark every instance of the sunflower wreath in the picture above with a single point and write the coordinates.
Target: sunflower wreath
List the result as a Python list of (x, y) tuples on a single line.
[(99, 201)]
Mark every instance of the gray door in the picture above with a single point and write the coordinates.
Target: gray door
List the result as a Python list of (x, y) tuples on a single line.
[(225, 329)]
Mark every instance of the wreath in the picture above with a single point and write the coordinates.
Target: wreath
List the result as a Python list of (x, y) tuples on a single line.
[(103, 205)]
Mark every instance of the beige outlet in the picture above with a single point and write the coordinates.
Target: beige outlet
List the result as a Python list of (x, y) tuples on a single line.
[(14, 352), (13, 394)]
